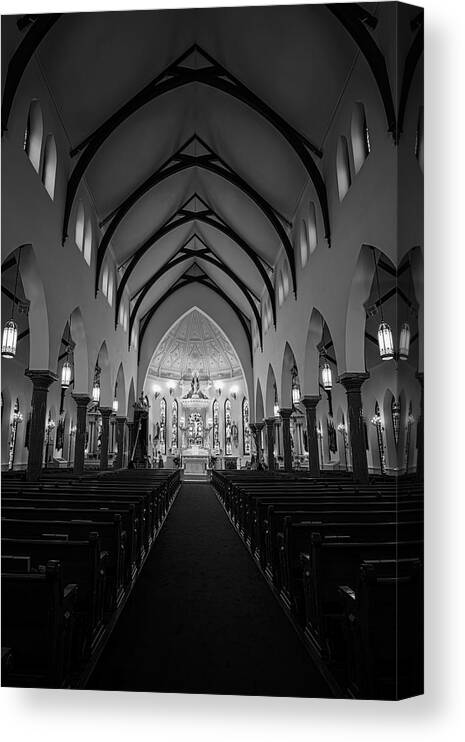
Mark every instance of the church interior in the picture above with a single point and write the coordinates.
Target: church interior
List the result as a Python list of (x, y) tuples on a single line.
[(212, 338)]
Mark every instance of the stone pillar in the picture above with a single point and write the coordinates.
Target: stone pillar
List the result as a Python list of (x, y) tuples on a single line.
[(352, 383), (260, 425), (41, 381), (118, 462), (310, 404), (287, 449), (82, 400), (420, 433), (270, 423), (105, 413)]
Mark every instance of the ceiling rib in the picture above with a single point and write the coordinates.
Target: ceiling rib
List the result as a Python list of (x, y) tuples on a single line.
[(183, 216), (186, 254), (172, 78), (181, 283), (177, 163)]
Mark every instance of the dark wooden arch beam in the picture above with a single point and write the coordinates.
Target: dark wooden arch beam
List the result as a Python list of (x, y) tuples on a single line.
[(413, 57), (176, 76), (21, 58), (354, 19), (197, 255), (186, 281), (179, 219), (177, 164)]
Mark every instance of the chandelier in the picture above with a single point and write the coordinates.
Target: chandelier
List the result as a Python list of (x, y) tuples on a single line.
[(385, 341)]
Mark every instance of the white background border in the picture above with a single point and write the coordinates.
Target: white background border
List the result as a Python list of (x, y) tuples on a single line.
[(80, 715)]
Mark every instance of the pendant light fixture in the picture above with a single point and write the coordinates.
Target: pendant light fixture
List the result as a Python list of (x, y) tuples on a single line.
[(66, 368), (385, 342), (96, 386), (10, 331), (326, 373), (276, 404), (404, 341), (295, 386)]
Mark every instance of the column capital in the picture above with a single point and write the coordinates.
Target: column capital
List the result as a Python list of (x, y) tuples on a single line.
[(105, 411), (352, 382), (121, 419), (260, 425), (270, 421), (82, 400), (41, 379), (310, 401), (285, 413)]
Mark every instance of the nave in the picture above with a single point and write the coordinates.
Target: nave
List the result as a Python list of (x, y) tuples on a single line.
[(202, 619)]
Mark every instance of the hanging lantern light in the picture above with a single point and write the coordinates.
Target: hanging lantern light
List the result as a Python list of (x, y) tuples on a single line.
[(66, 375), (10, 331), (96, 391), (295, 387), (115, 405), (385, 342), (404, 341), (9, 339), (327, 376)]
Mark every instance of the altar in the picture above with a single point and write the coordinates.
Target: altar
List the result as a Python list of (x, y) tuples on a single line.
[(195, 460)]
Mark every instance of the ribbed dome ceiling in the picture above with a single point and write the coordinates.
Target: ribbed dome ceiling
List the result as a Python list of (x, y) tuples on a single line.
[(195, 344)]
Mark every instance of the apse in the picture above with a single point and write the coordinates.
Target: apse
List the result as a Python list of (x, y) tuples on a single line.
[(199, 409)]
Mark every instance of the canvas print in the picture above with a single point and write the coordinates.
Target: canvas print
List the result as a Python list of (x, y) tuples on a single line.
[(212, 350)]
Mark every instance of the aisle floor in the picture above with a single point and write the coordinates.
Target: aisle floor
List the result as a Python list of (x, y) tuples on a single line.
[(201, 618)]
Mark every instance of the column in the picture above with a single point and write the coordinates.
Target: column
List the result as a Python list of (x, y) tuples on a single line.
[(270, 423), (310, 403), (41, 381), (352, 383), (420, 434), (287, 450), (82, 400), (105, 413), (118, 461)]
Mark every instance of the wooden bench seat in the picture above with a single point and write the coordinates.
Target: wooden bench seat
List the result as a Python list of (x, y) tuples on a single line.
[(37, 626)]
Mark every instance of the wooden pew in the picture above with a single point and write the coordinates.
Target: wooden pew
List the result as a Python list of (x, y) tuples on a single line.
[(383, 629), (82, 564), (37, 626)]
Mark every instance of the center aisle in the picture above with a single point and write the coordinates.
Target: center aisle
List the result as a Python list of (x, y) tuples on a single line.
[(201, 618)]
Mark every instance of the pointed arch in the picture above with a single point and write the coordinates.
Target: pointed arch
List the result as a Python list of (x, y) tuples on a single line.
[(80, 352), (271, 392), (288, 365), (131, 401), (106, 389), (120, 391)]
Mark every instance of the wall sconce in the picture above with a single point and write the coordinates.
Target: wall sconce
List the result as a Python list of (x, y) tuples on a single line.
[(218, 387), (342, 428), (115, 406), (234, 390), (72, 430), (156, 391)]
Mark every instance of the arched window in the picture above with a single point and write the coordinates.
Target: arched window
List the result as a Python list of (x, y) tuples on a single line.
[(88, 242), (50, 165), (34, 134), (285, 275), (110, 287), (245, 426), (395, 414), (312, 234), (280, 288), (266, 322), (79, 229), (304, 244), (227, 428), (419, 142), (125, 319), (174, 424), (163, 426), (360, 136), (342, 167), (216, 426)]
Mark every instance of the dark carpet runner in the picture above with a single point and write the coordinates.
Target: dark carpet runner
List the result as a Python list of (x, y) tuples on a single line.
[(201, 619)]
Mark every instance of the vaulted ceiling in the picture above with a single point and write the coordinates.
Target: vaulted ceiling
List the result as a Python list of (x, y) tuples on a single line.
[(197, 130)]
